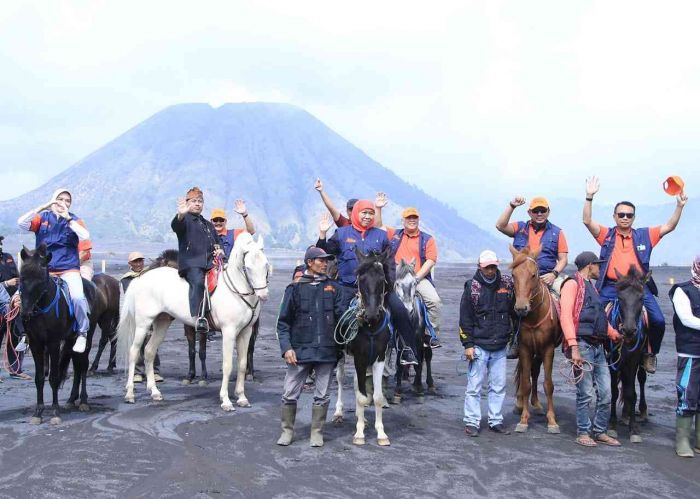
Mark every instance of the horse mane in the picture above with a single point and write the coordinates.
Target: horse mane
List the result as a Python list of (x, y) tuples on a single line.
[(167, 258), (404, 269)]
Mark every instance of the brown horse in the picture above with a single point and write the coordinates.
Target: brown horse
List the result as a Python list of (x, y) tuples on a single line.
[(540, 334)]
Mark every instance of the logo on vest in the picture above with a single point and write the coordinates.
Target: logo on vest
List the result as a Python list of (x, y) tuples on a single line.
[(350, 240), (641, 247), (503, 290)]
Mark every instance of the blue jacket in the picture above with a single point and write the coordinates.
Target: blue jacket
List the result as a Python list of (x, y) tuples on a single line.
[(60, 240), (547, 259), (343, 244), (642, 248), (424, 237)]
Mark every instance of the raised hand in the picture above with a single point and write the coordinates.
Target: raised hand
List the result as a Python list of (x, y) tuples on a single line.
[(325, 223), (61, 210), (318, 185), (681, 199), (517, 201), (181, 206), (381, 200), (592, 186), (240, 207)]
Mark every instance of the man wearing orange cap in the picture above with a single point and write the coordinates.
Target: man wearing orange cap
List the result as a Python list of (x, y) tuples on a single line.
[(87, 270), (228, 237), (411, 244), (622, 247), (197, 241)]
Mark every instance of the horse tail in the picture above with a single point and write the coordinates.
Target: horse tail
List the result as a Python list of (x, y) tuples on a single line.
[(126, 331), (64, 358)]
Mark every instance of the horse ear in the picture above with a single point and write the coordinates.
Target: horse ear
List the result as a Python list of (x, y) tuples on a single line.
[(412, 263), (41, 249), (359, 254), (47, 257), (24, 254), (261, 242), (513, 251), (617, 273), (386, 254)]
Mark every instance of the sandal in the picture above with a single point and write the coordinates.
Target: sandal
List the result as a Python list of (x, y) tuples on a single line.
[(586, 441), (607, 440), (22, 376)]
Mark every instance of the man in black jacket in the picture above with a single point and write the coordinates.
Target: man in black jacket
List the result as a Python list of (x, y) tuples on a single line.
[(484, 329), (197, 241), (305, 328), (9, 278)]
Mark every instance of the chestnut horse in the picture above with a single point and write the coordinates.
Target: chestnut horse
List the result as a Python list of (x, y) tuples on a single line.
[(540, 333)]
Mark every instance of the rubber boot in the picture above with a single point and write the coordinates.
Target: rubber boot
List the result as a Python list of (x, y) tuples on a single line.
[(697, 432), (684, 425), (289, 414), (318, 418)]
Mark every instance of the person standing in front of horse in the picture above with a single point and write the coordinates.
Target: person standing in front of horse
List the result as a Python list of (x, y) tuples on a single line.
[(61, 231), (227, 237), (686, 323), (197, 240), (536, 232), (484, 328), (412, 244), (9, 277), (365, 237), (306, 323), (586, 328), (622, 247)]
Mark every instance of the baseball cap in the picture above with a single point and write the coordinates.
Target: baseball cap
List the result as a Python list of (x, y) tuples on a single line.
[(135, 255), (539, 202), (409, 212), (487, 257), (217, 213), (586, 258), (313, 252)]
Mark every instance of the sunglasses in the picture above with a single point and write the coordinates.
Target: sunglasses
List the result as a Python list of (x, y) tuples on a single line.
[(540, 211), (625, 215), (218, 220)]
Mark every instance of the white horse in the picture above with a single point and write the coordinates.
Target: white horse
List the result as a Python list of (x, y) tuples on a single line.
[(160, 295)]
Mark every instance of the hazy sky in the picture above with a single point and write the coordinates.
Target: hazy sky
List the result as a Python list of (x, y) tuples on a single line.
[(465, 99)]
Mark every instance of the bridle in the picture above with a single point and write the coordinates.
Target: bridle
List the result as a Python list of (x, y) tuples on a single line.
[(541, 292), (252, 289), (360, 304)]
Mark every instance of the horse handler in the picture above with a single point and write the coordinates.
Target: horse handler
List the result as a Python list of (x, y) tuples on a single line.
[(586, 328), (305, 329)]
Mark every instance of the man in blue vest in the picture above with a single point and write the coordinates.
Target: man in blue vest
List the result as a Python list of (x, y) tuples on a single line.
[(622, 247), (536, 232), (363, 235), (228, 236), (686, 323)]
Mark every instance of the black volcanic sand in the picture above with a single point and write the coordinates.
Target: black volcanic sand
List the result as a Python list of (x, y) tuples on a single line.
[(187, 446)]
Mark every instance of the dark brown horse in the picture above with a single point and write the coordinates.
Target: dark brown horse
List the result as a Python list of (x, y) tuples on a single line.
[(108, 297), (540, 334)]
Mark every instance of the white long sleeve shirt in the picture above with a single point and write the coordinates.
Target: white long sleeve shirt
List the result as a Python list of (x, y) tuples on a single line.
[(25, 223), (681, 305)]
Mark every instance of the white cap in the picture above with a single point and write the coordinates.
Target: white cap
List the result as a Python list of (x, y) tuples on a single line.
[(487, 257)]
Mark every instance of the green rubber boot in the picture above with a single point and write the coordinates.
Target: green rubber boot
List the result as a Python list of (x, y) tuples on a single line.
[(684, 424), (318, 418), (697, 432), (289, 414)]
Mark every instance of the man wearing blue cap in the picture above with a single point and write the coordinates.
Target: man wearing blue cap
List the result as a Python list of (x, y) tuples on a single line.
[(308, 314)]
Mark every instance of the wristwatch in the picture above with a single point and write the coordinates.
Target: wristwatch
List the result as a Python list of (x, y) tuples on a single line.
[(555, 272)]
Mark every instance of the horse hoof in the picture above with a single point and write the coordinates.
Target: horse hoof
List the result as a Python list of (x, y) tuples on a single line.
[(384, 442), (203, 382), (635, 439), (129, 399), (420, 399), (338, 419), (358, 441), (243, 403), (84, 408), (157, 397), (36, 420), (228, 407), (432, 390), (520, 428), (55, 421), (553, 429), (186, 381), (91, 373), (396, 400), (612, 433)]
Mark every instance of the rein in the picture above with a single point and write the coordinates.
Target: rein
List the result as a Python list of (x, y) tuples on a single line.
[(542, 292), (639, 337)]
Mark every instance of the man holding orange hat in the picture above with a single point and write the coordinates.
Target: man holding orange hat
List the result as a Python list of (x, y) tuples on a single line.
[(228, 237)]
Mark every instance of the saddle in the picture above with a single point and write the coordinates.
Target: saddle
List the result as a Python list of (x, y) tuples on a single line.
[(212, 279), (645, 314)]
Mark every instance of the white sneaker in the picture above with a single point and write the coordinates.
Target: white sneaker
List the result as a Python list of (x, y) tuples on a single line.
[(80, 344), (22, 345)]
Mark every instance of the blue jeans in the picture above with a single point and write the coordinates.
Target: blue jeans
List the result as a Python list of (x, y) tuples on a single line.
[(657, 323), (595, 382), (493, 363)]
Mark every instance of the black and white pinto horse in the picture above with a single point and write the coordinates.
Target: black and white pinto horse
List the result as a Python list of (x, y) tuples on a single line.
[(405, 288), (368, 348), (48, 322)]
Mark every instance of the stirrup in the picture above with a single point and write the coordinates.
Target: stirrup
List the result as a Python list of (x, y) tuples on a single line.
[(201, 325)]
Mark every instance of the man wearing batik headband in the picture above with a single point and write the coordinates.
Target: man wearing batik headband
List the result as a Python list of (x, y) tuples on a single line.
[(686, 323), (197, 241)]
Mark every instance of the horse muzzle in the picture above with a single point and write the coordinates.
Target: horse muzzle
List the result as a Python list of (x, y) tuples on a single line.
[(522, 311), (262, 294)]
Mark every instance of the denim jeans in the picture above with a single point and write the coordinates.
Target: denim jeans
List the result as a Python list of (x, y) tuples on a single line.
[(493, 364), (595, 382)]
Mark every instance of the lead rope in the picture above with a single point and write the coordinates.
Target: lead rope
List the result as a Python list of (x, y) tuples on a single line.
[(10, 367)]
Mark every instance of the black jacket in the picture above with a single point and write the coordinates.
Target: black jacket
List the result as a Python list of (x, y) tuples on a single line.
[(196, 238), (307, 319), (687, 339), (8, 270), (486, 323)]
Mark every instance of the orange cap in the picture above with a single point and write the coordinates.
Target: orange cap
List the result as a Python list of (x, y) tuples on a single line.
[(674, 185), (539, 202), (409, 212), (217, 213)]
